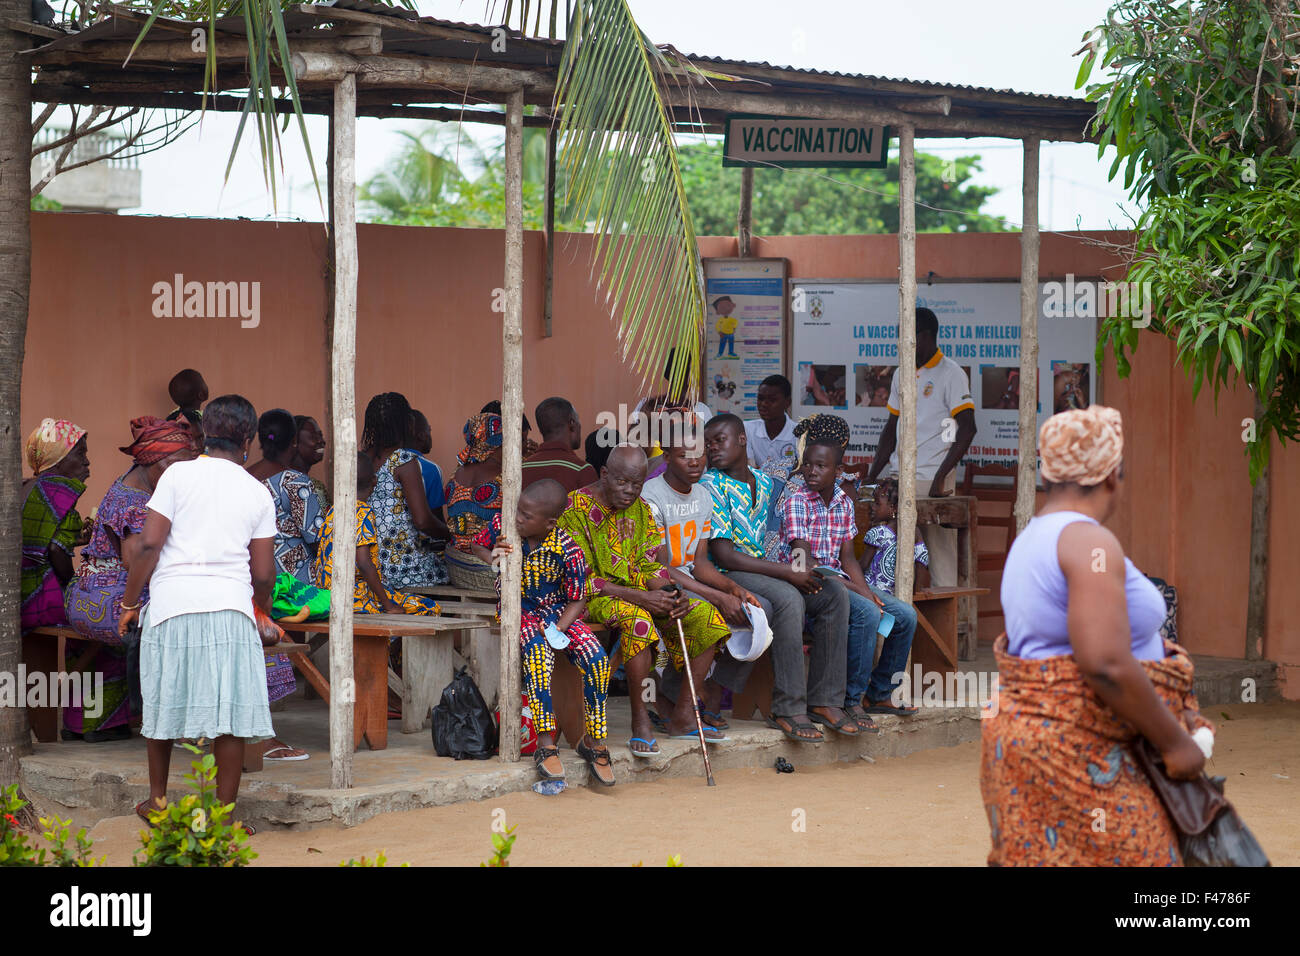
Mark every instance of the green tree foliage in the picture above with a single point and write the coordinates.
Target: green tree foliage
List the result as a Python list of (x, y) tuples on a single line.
[(834, 201), (1199, 101), (437, 180)]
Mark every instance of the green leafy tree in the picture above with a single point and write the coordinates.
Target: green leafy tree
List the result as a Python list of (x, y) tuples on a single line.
[(834, 201), (1199, 101)]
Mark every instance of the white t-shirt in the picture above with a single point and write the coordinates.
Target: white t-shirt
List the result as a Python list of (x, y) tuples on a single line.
[(683, 520), (762, 449), (216, 508), (942, 391)]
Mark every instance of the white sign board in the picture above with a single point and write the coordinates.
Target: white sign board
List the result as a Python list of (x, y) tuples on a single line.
[(845, 350)]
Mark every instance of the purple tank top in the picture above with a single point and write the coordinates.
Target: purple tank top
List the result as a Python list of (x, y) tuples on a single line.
[(1035, 598)]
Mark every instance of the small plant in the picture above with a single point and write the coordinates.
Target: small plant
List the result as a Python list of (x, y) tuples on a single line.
[(58, 832), (195, 830), (379, 860), (501, 846), (14, 848)]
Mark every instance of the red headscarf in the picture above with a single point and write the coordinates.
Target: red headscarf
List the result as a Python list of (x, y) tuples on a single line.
[(153, 439)]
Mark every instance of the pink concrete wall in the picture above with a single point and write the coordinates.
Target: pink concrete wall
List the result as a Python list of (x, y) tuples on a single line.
[(96, 354)]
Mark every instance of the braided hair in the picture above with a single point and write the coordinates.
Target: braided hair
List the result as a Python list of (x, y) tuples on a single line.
[(388, 419)]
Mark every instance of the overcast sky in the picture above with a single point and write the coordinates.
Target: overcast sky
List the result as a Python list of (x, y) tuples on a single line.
[(1024, 45)]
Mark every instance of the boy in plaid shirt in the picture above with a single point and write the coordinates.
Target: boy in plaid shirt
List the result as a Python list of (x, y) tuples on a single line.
[(817, 531)]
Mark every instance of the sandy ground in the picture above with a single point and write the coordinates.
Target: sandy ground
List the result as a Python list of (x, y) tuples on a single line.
[(923, 809)]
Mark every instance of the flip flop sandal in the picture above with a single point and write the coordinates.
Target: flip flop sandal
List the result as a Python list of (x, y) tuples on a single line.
[(795, 727), (840, 727), (714, 719), (865, 723), (888, 708), (659, 723), (287, 749), (142, 812), (542, 754), (597, 757), (644, 754)]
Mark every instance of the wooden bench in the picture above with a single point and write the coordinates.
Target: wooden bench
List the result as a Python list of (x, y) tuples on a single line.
[(427, 667), (45, 650), (938, 613)]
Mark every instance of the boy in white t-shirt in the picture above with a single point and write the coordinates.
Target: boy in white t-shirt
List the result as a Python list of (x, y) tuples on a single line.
[(683, 510), (773, 447)]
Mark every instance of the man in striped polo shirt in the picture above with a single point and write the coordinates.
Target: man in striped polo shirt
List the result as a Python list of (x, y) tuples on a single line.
[(562, 434)]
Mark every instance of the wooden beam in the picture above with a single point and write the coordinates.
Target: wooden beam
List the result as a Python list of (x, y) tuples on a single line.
[(183, 51), (344, 426), (1027, 463), (379, 71), (904, 572), (512, 412), (1257, 595), (548, 223), (745, 214)]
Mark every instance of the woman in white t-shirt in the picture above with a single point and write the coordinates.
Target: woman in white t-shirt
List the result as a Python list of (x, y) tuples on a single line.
[(208, 554)]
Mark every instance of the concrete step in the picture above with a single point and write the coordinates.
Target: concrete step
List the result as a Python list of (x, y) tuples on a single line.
[(92, 781)]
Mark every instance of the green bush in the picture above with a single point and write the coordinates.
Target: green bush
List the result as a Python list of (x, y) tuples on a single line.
[(14, 848), (195, 831), (379, 860)]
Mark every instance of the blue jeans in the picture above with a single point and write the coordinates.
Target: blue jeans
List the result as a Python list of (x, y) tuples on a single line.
[(864, 619)]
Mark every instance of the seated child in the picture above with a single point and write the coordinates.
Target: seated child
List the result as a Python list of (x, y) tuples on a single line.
[(369, 596), (881, 540), (554, 579)]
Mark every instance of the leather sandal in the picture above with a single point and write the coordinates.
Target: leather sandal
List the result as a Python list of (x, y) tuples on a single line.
[(540, 756), (597, 760)]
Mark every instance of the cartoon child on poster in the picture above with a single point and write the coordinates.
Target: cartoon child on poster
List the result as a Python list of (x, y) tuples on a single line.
[(726, 326)]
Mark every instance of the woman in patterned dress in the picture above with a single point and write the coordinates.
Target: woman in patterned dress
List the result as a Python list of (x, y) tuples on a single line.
[(51, 526), (298, 526), (409, 533), (474, 499), (94, 596)]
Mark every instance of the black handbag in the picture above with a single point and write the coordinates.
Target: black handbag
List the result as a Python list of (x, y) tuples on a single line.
[(1210, 833), (463, 726)]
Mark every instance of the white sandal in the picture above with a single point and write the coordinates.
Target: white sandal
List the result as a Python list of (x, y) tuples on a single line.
[(285, 747)]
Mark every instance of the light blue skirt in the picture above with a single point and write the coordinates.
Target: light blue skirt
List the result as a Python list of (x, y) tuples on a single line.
[(204, 675)]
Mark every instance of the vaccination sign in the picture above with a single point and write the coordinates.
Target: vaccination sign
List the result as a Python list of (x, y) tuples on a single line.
[(845, 351), (790, 143), (744, 324)]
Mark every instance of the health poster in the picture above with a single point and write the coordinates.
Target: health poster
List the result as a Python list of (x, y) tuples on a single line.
[(845, 351), (744, 340)]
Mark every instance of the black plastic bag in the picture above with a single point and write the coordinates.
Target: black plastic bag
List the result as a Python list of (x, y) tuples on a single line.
[(462, 724), (1225, 842)]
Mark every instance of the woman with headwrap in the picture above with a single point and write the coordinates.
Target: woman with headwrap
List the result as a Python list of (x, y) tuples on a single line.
[(409, 532), (1082, 673), (473, 499), (56, 453), (94, 597)]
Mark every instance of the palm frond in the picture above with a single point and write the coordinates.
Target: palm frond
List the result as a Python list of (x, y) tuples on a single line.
[(622, 174)]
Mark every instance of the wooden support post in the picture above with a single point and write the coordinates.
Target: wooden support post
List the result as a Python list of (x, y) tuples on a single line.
[(1027, 466), (1257, 596), (745, 215), (549, 225), (906, 357), (512, 410), (343, 368)]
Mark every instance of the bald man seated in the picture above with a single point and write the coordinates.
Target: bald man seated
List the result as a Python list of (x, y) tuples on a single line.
[(631, 593)]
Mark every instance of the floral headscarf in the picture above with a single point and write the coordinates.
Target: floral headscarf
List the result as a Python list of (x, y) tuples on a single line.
[(50, 442), (482, 437), (1082, 446), (153, 439)]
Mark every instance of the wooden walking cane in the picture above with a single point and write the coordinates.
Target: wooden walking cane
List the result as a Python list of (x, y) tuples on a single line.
[(695, 701)]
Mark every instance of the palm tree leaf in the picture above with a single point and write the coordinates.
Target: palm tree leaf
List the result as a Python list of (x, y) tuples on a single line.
[(620, 162)]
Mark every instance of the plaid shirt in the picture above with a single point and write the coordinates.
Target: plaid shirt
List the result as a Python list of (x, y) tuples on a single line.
[(805, 516)]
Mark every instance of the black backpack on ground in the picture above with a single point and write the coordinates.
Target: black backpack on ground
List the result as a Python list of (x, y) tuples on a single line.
[(463, 726)]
